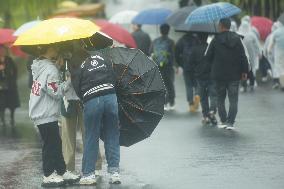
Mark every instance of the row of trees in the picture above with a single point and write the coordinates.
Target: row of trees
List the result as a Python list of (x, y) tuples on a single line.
[(16, 12)]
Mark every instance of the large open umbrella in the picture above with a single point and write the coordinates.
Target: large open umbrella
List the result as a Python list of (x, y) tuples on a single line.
[(123, 17), (212, 12), (140, 90), (154, 16), (117, 32), (57, 30), (6, 36), (263, 25), (177, 18), (23, 28), (7, 39)]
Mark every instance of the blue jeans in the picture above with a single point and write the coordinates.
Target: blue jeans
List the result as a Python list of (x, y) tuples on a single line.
[(232, 88), (190, 86), (208, 96), (101, 119)]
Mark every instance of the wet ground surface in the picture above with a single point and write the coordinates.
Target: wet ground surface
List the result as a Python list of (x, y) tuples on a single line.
[(180, 154)]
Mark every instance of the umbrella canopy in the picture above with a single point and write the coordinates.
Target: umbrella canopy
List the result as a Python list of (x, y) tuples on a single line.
[(117, 32), (57, 30), (123, 17), (23, 28), (281, 18), (7, 39), (140, 91), (152, 16), (212, 12), (263, 26), (6, 36), (177, 18), (210, 28)]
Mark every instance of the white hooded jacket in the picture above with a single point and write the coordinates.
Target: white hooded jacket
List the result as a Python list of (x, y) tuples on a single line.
[(46, 92)]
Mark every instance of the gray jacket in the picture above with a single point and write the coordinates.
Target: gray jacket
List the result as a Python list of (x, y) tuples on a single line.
[(46, 92)]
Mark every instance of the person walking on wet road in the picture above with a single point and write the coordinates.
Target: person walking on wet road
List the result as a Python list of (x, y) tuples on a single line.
[(94, 84), (207, 87), (162, 52), (9, 96), (183, 51), (229, 65), (44, 111), (72, 120), (142, 39)]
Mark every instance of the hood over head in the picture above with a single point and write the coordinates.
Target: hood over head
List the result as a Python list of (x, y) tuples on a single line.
[(39, 66), (229, 39)]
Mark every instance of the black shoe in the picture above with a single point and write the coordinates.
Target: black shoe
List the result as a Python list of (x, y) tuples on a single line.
[(212, 118)]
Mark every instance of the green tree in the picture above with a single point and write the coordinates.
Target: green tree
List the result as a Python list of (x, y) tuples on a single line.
[(16, 12)]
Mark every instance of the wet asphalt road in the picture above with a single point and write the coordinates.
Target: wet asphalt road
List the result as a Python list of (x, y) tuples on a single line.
[(180, 154)]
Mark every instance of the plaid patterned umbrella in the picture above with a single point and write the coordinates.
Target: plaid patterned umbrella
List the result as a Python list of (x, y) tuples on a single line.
[(212, 12)]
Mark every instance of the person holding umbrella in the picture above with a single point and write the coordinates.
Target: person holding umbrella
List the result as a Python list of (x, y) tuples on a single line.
[(207, 87), (44, 110), (94, 84), (229, 65)]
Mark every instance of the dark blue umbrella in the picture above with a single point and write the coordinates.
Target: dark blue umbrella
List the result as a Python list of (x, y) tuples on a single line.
[(152, 16), (212, 12)]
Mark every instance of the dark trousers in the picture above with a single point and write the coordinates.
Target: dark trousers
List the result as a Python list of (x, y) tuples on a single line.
[(52, 157), (208, 96), (168, 75), (190, 86), (251, 78), (232, 89)]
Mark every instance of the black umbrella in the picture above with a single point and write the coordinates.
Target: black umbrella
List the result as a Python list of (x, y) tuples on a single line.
[(178, 17), (202, 27), (281, 18), (140, 91)]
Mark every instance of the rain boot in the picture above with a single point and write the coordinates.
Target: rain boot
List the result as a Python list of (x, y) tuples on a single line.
[(196, 102)]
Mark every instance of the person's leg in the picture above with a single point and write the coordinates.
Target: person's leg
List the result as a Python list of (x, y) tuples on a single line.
[(111, 133), (251, 80), (196, 99), (221, 88), (12, 116), (93, 111), (99, 161), (188, 87), (212, 96), (233, 95), (48, 135), (171, 87), (204, 97), (2, 116), (68, 129), (59, 163)]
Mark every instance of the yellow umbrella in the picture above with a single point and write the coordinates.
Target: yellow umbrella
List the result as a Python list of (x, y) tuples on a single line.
[(57, 30)]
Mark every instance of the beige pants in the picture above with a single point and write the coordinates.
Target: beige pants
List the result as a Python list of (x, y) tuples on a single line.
[(69, 129)]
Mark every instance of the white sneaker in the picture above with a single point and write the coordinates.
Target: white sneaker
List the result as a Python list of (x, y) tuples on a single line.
[(88, 180), (230, 127), (115, 178), (70, 178), (166, 107), (172, 107), (222, 126), (53, 180)]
